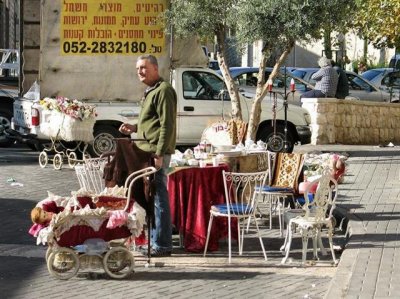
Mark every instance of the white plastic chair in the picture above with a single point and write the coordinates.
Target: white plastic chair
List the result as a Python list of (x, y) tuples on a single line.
[(317, 215), (242, 193)]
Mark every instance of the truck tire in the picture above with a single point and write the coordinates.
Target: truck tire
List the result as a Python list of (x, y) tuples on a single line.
[(103, 140), (277, 143), (5, 123)]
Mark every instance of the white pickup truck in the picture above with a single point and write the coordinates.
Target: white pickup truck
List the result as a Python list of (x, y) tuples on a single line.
[(199, 105)]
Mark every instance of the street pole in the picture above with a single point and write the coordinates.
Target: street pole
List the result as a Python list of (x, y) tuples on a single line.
[(274, 141)]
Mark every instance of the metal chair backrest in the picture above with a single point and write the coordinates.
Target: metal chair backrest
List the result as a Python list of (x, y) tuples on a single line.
[(90, 174), (324, 202), (242, 191)]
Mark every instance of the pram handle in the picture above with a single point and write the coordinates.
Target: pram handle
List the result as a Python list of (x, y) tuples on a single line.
[(133, 177)]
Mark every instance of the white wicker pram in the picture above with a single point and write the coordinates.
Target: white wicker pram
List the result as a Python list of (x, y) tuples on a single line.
[(65, 257), (63, 128)]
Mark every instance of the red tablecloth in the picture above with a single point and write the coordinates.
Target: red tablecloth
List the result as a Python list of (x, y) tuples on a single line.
[(192, 192)]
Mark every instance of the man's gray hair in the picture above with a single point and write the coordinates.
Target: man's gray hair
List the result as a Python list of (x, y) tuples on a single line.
[(151, 58), (323, 62)]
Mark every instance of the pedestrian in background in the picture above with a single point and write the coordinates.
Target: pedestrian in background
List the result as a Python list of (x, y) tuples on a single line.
[(157, 125), (326, 81)]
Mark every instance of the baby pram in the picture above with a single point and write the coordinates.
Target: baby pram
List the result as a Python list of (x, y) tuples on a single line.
[(69, 125), (88, 238)]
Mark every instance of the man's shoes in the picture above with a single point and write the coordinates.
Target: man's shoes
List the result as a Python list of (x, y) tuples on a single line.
[(156, 252)]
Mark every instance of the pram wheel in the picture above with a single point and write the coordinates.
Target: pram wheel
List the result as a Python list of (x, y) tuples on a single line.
[(72, 159), (57, 161), (43, 159), (118, 262), (63, 263)]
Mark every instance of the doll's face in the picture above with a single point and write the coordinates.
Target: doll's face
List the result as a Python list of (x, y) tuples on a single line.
[(45, 216)]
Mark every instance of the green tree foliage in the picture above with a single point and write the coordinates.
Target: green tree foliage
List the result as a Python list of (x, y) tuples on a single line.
[(208, 18), (379, 22), (337, 16), (278, 24)]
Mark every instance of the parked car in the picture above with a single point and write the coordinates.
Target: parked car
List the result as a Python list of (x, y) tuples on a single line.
[(246, 79), (395, 62), (359, 88), (384, 78)]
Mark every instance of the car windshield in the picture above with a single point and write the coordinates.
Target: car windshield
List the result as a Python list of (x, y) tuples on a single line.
[(371, 74), (202, 85)]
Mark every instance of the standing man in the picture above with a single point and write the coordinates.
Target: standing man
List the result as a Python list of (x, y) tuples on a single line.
[(157, 124), (327, 80)]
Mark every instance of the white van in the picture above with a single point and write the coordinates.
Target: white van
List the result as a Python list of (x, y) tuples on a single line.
[(395, 62)]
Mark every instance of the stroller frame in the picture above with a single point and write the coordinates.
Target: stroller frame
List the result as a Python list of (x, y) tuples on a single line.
[(114, 256)]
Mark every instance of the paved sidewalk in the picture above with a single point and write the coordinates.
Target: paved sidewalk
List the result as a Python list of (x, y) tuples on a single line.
[(369, 266), (367, 269)]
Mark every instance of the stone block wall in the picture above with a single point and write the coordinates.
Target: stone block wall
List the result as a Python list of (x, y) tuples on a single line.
[(353, 122)]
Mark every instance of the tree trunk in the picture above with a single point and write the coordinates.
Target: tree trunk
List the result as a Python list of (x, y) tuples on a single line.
[(262, 89), (230, 85), (255, 113), (365, 51), (328, 43)]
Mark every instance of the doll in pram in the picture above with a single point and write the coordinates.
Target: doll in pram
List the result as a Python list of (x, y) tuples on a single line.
[(91, 231)]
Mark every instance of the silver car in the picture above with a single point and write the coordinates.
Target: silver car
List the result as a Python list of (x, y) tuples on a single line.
[(387, 79)]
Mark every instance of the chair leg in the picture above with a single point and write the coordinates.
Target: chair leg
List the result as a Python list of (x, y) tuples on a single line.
[(280, 219), (229, 240), (248, 225), (315, 239), (270, 199), (304, 237), (283, 247), (290, 228), (330, 233), (255, 218), (240, 236), (208, 234), (281, 211), (261, 241), (282, 214), (321, 246)]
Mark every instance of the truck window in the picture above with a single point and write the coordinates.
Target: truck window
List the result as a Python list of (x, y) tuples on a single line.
[(201, 86)]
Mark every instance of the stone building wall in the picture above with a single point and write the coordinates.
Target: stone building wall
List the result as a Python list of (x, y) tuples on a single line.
[(353, 122)]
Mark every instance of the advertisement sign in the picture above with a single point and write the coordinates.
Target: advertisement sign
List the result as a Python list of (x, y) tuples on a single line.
[(122, 27)]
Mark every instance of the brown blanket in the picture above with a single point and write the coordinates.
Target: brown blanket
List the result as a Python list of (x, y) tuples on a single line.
[(127, 159)]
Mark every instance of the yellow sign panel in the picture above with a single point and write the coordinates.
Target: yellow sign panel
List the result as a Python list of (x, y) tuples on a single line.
[(104, 27)]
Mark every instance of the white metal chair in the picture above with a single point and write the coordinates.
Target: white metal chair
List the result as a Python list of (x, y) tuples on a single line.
[(242, 192), (90, 174), (317, 215), (286, 169)]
